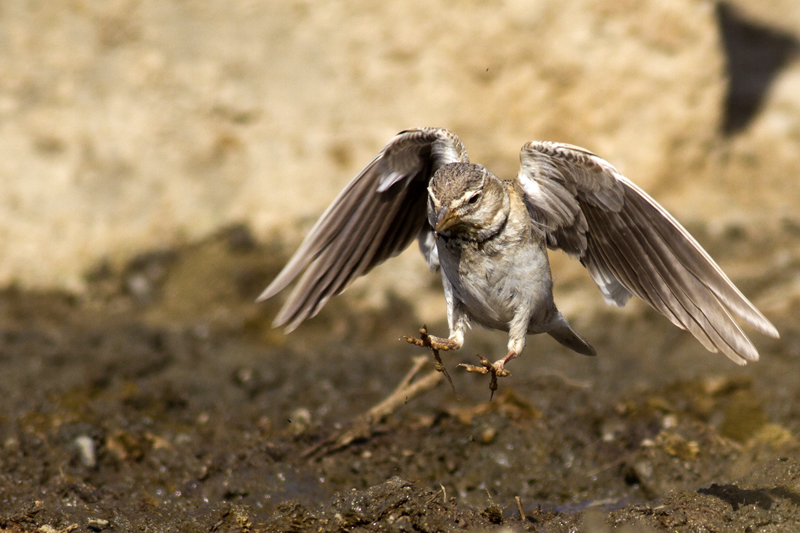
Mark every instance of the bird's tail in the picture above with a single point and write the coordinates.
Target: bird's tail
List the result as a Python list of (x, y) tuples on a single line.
[(566, 336)]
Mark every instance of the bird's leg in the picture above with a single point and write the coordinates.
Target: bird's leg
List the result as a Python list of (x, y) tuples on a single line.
[(497, 369), (516, 343), (458, 321), (435, 344)]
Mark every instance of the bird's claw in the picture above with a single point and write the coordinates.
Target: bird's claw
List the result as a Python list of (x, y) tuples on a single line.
[(497, 370), (431, 341), (435, 344)]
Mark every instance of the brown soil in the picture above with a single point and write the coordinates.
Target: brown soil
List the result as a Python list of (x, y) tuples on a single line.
[(162, 401)]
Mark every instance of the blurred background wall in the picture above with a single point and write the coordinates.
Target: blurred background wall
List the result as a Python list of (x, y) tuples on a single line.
[(128, 125)]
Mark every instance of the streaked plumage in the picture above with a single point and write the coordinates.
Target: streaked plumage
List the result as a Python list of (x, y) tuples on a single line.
[(489, 238)]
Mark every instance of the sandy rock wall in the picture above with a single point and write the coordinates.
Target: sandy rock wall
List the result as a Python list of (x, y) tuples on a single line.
[(129, 125)]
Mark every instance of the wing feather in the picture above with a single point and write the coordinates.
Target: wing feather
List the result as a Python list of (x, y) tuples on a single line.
[(377, 215), (632, 245)]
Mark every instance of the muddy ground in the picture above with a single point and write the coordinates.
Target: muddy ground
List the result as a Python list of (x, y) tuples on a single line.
[(162, 401)]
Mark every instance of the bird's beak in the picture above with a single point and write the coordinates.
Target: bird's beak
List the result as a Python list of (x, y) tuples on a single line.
[(445, 218)]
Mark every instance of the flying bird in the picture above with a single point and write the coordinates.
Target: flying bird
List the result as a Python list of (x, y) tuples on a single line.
[(489, 239)]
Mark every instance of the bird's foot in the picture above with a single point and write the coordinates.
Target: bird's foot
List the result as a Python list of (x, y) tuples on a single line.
[(496, 369), (431, 341), (435, 344)]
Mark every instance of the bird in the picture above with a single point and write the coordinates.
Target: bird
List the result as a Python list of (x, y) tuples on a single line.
[(489, 238)]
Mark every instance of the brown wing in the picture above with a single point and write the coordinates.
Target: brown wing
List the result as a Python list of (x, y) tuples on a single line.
[(374, 218), (632, 245)]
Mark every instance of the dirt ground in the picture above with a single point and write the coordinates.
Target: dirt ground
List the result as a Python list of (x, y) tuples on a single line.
[(162, 401)]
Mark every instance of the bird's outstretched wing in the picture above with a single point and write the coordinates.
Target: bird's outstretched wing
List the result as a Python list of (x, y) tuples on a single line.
[(632, 245), (374, 218)]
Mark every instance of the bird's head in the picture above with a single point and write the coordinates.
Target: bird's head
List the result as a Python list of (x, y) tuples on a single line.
[(467, 201)]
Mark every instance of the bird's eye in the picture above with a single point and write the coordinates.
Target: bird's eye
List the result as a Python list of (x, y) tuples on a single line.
[(474, 199)]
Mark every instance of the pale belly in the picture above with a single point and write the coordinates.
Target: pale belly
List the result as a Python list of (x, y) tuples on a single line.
[(494, 288)]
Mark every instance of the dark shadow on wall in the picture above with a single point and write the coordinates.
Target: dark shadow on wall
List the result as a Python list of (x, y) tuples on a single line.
[(755, 55)]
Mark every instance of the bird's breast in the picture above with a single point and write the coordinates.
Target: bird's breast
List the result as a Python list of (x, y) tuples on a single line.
[(496, 280)]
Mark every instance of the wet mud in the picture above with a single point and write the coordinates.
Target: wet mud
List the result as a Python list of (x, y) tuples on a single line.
[(161, 400)]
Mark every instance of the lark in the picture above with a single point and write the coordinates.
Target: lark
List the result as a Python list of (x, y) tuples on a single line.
[(490, 237)]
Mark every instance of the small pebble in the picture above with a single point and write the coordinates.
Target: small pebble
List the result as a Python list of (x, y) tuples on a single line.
[(97, 524), (139, 287), (300, 420), (487, 435), (86, 450)]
